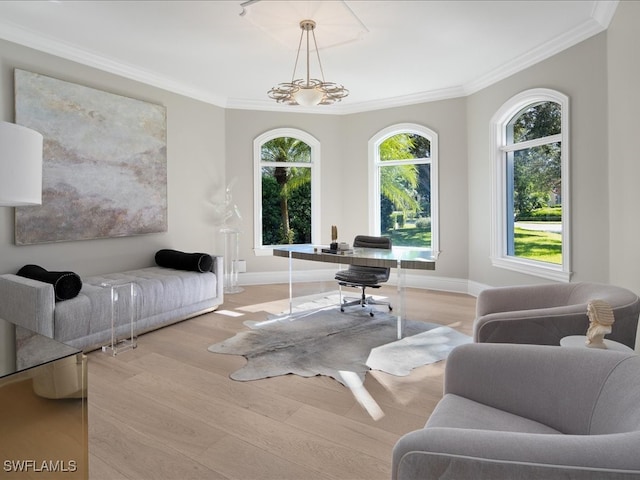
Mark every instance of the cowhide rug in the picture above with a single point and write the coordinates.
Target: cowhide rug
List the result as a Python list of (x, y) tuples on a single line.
[(327, 341)]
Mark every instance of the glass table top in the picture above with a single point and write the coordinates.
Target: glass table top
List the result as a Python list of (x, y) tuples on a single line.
[(22, 349)]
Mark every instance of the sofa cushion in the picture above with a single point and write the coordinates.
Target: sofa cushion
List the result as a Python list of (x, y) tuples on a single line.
[(157, 291)]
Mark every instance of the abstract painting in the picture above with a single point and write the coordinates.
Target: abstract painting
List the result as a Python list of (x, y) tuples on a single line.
[(104, 162)]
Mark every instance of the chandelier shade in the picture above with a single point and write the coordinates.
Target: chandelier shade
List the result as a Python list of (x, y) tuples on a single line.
[(308, 91), (20, 165)]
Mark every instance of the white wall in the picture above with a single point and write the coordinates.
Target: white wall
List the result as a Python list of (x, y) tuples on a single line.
[(196, 172), (624, 160), (448, 119), (242, 127), (580, 73)]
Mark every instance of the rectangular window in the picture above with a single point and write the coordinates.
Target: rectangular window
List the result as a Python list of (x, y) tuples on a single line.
[(410, 226), (286, 211), (534, 222)]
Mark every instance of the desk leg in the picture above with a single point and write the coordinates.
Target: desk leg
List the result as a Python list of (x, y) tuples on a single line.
[(290, 283), (401, 310)]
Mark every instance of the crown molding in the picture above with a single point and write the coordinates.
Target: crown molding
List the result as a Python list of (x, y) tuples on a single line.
[(346, 108), (28, 38), (546, 50), (603, 12), (601, 16)]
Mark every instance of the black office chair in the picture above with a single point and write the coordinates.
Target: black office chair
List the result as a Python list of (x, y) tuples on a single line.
[(357, 276)]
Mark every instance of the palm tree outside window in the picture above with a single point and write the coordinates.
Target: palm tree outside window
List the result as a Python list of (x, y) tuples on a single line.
[(286, 188), (403, 183)]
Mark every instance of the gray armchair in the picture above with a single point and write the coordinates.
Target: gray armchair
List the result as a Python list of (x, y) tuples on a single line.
[(544, 314), (529, 412)]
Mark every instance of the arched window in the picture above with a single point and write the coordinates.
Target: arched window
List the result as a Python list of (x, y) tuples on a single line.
[(403, 186), (530, 151), (286, 189)]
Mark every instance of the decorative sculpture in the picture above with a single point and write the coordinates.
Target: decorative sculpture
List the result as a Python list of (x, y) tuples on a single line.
[(231, 219), (334, 238), (601, 319)]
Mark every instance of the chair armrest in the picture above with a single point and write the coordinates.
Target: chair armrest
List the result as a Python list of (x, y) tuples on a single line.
[(530, 380), (542, 326), (28, 303), (484, 454)]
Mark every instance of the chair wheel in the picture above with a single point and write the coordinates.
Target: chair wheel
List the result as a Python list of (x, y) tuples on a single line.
[(390, 308), (371, 314), (342, 309)]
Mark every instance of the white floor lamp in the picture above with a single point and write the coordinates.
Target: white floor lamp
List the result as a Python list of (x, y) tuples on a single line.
[(20, 184)]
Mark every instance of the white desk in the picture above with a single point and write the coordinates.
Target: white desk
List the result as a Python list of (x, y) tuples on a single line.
[(399, 258)]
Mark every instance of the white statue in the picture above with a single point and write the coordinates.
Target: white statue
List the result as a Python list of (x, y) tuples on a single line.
[(232, 216), (600, 321)]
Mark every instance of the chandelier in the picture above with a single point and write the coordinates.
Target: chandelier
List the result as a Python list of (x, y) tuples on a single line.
[(309, 91)]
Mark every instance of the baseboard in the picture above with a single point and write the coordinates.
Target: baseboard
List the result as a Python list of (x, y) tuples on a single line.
[(413, 280)]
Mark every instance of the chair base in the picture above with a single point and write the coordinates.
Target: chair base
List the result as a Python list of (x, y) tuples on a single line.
[(363, 301)]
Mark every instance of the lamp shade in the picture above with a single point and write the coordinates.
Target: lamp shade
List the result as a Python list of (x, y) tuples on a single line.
[(308, 97), (20, 165)]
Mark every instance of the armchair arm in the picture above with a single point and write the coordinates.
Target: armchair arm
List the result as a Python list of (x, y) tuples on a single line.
[(28, 303), (544, 314), (540, 326), (530, 380), (482, 454)]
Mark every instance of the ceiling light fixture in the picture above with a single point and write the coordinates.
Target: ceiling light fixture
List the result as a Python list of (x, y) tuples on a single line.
[(309, 91)]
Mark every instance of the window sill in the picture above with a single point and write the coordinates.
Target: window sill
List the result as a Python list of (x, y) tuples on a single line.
[(268, 250), (538, 269), (263, 252)]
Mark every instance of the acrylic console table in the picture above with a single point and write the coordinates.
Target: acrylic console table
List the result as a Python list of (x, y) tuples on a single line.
[(43, 407), (122, 301), (401, 259)]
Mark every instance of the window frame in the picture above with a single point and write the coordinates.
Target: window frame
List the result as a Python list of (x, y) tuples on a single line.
[(499, 152), (374, 177), (313, 164)]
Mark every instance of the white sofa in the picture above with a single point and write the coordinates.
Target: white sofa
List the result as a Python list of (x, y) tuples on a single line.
[(162, 296)]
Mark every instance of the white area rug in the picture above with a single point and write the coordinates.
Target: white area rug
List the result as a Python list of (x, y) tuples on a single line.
[(400, 357), (326, 341)]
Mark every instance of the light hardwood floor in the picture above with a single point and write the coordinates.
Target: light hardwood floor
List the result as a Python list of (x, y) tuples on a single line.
[(168, 410)]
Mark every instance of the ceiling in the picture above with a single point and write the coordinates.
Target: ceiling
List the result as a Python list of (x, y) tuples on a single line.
[(387, 53)]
